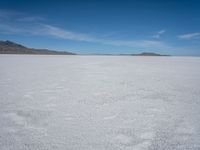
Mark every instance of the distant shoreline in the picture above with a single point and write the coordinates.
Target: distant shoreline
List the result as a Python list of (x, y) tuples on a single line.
[(9, 47)]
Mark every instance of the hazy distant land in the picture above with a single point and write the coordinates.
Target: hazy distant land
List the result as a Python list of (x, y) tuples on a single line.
[(9, 47)]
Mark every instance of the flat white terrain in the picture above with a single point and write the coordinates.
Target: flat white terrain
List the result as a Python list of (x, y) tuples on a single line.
[(99, 103)]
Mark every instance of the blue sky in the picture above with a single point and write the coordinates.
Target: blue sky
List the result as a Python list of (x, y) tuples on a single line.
[(99, 26)]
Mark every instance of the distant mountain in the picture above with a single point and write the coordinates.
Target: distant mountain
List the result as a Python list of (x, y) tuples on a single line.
[(8, 47), (148, 54), (141, 54)]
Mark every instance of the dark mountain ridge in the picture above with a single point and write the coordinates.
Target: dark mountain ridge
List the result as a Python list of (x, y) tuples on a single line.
[(148, 54), (9, 47)]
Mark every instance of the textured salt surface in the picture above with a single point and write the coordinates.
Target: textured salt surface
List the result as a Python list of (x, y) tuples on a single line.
[(99, 103)]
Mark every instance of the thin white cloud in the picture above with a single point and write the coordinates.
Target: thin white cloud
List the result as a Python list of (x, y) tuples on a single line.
[(7, 29), (190, 36), (161, 31), (14, 16), (64, 34), (136, 43), (158, 34), (7, 14), (31, 25), (56, 32), (30, 19), (49, 30)]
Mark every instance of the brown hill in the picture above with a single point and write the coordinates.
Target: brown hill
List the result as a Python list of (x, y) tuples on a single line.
[(8, 47), (148, 54)]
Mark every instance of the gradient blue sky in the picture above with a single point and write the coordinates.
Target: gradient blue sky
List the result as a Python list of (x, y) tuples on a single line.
[(100, 26)]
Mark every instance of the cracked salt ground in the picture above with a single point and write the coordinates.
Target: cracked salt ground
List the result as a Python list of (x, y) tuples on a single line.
[(99, 102)]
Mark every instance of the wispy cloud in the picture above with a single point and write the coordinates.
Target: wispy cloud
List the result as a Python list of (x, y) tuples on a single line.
[(31, 25), (6, 29), (161, 31), (53, 31), (15, 16), (158, 34), (136, 43), (190, 36), (6, 15), (30, 19), (56, 32)]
